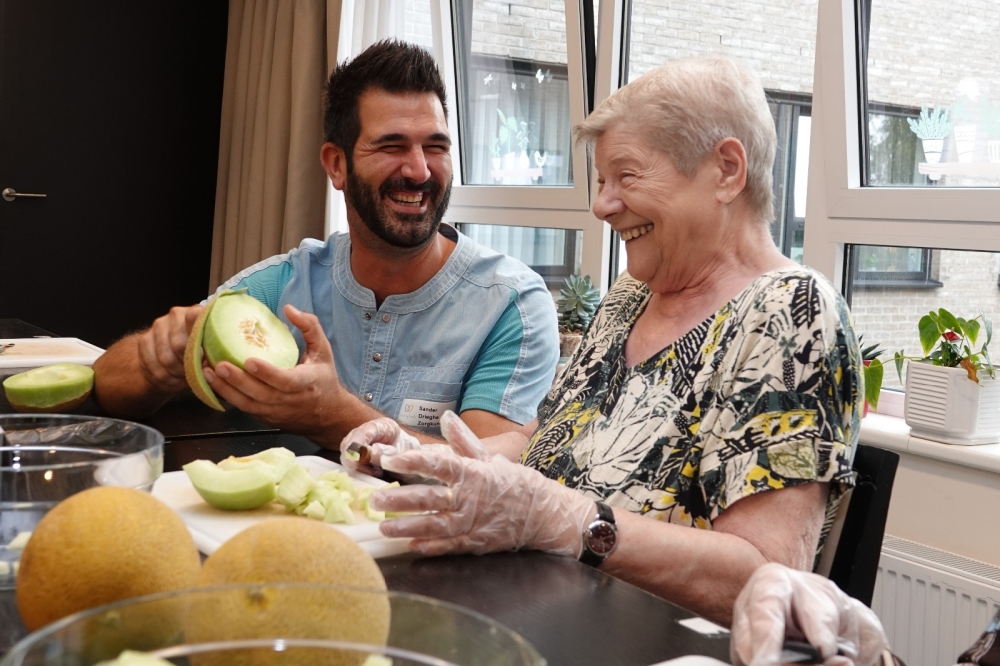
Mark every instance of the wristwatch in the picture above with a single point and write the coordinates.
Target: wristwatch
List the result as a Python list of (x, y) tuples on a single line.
[(599, 537)]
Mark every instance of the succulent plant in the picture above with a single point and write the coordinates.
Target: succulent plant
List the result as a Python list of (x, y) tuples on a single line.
[(578, 299), (932, 123), (869, 353)]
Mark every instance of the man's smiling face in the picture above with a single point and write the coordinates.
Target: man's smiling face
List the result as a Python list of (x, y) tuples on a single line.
[(399, 177)]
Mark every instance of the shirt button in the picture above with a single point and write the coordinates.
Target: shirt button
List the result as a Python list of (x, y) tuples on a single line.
[(368, 315), (376, 357), (385, 318), (369, 397)]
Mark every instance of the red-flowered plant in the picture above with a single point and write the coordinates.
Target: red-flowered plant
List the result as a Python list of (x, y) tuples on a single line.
[(950, 341)]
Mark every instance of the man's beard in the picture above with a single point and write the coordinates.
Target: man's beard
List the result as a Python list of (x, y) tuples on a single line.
[(402, 230)]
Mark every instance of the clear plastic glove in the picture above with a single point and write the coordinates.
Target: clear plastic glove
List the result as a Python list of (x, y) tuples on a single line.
[(385, 437), (381, 437), (779, 603), (483, 506)]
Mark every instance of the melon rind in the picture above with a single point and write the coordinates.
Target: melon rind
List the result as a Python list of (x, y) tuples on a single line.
[(223, 342), (51, 388), (249, 487), (193, 355)]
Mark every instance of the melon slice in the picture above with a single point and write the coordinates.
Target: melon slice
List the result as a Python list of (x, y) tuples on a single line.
[(241, 327), (279, 459), (234, 327), (51, 388), (249, 487)]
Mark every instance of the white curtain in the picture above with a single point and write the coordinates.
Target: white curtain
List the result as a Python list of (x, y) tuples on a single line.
[(271, 193)]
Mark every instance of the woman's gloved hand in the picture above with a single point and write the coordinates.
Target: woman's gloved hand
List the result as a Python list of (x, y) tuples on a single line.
[(385, 436), (485, 504), (779, 603), (380, 437)]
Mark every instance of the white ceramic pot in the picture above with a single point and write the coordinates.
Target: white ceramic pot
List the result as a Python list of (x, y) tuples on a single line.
[(944, 405), (932, 150), (965, 142), (523, 161), (993, 147), (497, 163)]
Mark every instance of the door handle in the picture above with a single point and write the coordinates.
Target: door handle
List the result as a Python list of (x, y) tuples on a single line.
[(9, 195)]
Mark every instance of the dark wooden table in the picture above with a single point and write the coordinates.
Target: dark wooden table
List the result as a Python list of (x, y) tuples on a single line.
[(573, 614)]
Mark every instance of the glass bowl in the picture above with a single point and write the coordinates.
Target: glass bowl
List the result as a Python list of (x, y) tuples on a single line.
[(294, 624), (46, 458)]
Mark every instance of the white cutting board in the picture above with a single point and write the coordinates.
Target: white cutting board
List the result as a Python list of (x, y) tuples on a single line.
[(211, 527), (35, 352)]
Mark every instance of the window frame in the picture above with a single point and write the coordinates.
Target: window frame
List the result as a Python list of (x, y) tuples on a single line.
[(539, 197), (839, 210)]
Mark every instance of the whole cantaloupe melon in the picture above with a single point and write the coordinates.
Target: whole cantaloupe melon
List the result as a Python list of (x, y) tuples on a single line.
[(292, 550), (102, 545)]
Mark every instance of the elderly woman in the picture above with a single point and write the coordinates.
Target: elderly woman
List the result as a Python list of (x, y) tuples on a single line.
[(707, 423)]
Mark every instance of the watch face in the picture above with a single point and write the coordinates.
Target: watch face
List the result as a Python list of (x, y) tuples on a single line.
[(601, 537)]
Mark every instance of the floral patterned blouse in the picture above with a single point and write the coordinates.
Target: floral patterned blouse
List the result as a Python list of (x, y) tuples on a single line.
[(764, 394)]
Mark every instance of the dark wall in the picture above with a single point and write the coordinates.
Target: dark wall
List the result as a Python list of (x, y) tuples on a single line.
[(112, 108)]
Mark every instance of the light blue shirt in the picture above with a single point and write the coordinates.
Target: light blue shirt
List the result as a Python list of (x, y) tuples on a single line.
[(481, 334)]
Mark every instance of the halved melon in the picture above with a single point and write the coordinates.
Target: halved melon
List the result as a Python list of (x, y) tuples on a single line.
[(234, 327), (51, 388), (248, 487)]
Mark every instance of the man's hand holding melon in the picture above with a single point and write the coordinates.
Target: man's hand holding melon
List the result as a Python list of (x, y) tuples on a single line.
[(189, 347), (304, 398)]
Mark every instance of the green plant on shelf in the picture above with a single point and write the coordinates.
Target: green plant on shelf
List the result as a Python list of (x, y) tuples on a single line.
[(932, 123), (950, 341), (873, 371)]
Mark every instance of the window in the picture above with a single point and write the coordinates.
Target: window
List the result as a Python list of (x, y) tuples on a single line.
[(917, 96), (779, 42), (555, 254), (884, 64), (874, 266), (888, 314), (519, 89), (518, 76)]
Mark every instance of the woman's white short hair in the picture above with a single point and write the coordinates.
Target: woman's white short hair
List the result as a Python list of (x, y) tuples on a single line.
[(686, 107)]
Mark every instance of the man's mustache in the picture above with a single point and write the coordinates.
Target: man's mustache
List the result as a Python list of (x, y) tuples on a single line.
[(430, 186)]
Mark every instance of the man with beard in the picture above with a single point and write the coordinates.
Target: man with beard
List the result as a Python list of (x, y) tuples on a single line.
[(402, 316)]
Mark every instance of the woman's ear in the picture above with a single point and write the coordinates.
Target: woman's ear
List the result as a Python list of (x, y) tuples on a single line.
[(335, 164), (731, 160)]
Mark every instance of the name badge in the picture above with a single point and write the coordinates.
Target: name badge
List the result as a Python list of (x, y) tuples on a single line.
[(423, 414)]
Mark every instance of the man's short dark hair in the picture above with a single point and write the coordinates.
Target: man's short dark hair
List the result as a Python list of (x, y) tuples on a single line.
[(390, 65)]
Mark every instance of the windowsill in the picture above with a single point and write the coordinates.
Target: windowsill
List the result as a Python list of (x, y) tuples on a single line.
[(898, 284), (891, 432)]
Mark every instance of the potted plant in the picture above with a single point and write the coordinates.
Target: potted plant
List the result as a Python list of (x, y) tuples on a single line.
[(507, 131), (495, 153), (989, 117), (965, 132), (932, 128), (952, 393), (578, 299), (873, 372)]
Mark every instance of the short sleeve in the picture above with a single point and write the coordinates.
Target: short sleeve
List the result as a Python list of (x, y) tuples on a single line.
[(516, 363), (787, 410), (265, 280)]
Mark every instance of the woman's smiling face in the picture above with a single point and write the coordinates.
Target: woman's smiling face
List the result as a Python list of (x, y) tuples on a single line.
[(667, 220)]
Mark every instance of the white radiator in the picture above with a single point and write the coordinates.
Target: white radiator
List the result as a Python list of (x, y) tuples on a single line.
[(933, 604)]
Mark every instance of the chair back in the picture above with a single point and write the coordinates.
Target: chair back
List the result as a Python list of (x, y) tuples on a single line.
[(851, 554)]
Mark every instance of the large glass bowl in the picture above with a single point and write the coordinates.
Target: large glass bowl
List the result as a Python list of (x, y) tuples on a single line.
[(46, 458), (293, 624)]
